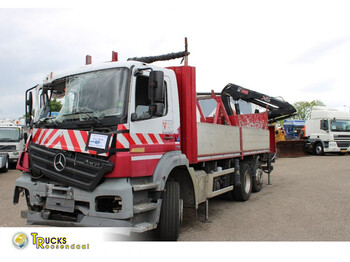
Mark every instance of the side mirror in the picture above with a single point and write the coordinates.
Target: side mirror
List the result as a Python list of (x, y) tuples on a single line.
[(156, 86), (159, 110), (324, 125), (25, 136), (29, 107), (133, 117)]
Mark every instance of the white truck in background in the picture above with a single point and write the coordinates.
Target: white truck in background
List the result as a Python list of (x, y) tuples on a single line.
[(328, 131), (4, 162), (12, 140)]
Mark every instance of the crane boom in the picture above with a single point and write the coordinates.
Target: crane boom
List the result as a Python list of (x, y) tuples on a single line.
[(278, 109)]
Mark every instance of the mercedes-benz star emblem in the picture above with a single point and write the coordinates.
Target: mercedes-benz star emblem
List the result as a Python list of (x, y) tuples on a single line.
[(59, 162)]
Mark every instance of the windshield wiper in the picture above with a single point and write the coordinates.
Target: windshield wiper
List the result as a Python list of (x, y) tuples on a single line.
[(44, 121), (87, 113), (7, 139)]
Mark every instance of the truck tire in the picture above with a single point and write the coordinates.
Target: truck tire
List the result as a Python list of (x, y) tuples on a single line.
[(242, 192), (258, 181), (6, 166), (169, 222), (257, 175), (318, 149)]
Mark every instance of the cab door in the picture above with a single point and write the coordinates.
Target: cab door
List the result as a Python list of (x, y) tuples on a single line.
[(152, 131)]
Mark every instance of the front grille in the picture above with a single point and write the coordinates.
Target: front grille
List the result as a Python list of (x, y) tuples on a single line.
[(7, 148), (342, 137), (344, 144), (81, 171)]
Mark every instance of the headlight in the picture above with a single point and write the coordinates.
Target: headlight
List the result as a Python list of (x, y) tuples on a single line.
[(332, 144)]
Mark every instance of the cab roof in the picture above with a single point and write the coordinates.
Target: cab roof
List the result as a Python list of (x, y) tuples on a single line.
[(90, 68)]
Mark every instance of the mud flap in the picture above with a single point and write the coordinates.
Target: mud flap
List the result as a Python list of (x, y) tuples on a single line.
[(16, 195)]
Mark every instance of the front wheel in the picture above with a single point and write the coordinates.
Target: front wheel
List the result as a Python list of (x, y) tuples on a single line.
[(318, 149), (6, 166), (170, 214), (242, 192)]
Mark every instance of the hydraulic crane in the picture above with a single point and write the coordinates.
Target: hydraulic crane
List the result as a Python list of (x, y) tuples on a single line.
[(278, 109)]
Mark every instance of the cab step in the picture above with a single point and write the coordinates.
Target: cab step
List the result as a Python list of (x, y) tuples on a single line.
[(142, 187), (143, 227), (145, 207)]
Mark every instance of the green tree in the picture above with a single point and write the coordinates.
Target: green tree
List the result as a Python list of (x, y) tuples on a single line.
[(304, 108), (55, 105)]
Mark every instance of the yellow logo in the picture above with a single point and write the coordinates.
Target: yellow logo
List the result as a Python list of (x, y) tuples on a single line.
[(20, 240), (55, 243)]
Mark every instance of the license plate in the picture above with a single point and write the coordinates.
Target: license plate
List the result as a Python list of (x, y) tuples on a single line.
[(344, 151)]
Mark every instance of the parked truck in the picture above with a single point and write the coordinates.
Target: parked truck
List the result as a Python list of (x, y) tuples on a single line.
[(293, 128), (12, 140), (328, 131), (131, 147)]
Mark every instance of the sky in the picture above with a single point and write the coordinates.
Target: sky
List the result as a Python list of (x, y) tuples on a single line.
[(298, 50)]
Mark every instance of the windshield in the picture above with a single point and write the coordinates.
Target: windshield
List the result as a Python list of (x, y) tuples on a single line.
[(9, 134), (95, 94), (340, 125)]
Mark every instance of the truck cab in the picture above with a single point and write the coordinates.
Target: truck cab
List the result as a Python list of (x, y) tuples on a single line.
[(328, 131), (12, 140), (96, 160)]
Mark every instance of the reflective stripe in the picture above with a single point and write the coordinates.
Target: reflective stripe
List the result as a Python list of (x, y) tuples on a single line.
[(136, 139), (124, 143), (71, 140), (124, 140), (148, 139), (137, 158), (159, 139)]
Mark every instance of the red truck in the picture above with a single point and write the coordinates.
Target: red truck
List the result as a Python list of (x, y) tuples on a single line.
[(131, 147)]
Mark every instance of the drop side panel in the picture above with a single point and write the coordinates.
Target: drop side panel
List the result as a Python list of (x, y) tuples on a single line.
[(217, 139)]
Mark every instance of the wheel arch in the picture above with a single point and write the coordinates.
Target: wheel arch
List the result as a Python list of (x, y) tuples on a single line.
[(174, 166), (170, 161), (181, 175)]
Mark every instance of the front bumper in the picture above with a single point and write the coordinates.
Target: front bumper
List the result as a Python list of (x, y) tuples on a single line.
[(49, 198), (38, 218), (336, 150), (337, 147)]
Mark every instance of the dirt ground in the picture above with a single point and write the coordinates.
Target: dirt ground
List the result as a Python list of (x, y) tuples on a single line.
[(309, 200)]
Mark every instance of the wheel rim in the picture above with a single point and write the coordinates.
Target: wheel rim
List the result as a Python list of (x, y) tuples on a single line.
[(247, 182), (259, 176), (319, 149), (7, 164)]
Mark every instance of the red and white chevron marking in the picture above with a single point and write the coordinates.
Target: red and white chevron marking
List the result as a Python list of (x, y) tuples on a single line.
[(125, 140), (63, 139)]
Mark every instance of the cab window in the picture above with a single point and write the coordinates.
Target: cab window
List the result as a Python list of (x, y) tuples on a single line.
[(144, 109)]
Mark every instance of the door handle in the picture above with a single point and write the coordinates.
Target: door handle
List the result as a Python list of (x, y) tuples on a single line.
[(168, 137)]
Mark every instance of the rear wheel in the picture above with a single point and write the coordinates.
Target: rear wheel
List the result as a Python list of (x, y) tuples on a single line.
[(169, 222), (242, 192), (258, 181)]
